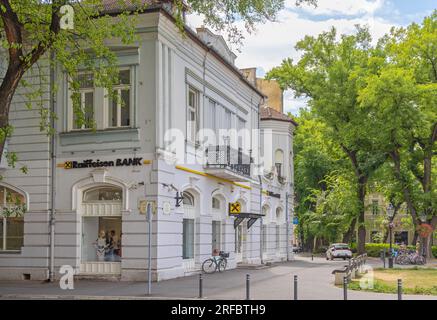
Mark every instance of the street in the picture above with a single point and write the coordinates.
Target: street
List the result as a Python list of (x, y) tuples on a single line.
[(315, 282)]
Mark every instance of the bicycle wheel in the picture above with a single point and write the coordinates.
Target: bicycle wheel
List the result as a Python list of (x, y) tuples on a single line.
[(222, 265), (209, 266)]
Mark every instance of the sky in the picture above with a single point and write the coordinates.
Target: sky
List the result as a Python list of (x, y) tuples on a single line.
[(274, 41)]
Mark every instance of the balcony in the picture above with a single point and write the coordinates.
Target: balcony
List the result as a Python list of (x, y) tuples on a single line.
[(227, 163)]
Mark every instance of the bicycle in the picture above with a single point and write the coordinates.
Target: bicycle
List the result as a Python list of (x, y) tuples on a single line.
[(213, 264)]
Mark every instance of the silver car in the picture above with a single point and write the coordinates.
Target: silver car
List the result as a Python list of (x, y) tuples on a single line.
[(338, 250)]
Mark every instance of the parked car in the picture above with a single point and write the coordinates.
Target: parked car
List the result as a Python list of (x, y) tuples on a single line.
[(297, 249), (338, 250)]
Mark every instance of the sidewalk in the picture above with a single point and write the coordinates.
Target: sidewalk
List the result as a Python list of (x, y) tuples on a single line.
[(272, 283)]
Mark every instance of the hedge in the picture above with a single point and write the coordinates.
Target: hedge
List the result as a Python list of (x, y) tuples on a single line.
[(374, 249)]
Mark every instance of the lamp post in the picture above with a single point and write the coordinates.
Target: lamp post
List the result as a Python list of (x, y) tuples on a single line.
[(390, 214)]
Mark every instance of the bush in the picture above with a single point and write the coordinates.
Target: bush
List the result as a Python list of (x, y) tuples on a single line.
[(374, 249)]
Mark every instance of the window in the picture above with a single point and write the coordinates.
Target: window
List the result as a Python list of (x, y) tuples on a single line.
[(210, 116), (119, 106), (375, 207), (84, 118), (241, 125), (279, 161), (188, 199), (278, 235), (216, 236), (101, 239), (401, 237), (278, 227), (11, 220), (215, 203), (103, 194), (188, 239), (192, 114), (264, 237), (96, 108)]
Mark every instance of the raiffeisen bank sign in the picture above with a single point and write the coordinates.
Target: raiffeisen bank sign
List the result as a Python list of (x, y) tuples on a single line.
[(127, 162)]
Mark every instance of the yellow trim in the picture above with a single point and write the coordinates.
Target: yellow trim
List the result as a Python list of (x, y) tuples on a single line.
[(204, 174), (147, 162)]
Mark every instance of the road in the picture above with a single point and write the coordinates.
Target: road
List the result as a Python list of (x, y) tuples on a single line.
[(315, 282)]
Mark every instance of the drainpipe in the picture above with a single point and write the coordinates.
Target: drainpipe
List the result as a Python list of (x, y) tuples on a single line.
[(52, 171)]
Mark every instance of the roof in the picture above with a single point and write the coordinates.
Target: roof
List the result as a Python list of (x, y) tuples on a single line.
[(268, 113), (112, 7)]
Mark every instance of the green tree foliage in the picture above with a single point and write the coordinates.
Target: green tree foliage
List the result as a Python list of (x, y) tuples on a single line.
[(330, 73), (402, 91), (30, 31)]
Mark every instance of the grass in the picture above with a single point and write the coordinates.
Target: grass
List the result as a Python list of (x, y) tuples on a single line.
[(416, 280)]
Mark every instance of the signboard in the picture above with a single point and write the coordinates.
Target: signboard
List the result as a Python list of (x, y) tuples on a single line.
[(126, 162), (143, 204), (234, 208), (295, 220)]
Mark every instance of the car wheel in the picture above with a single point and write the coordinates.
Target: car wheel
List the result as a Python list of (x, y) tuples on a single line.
[(344, 258)]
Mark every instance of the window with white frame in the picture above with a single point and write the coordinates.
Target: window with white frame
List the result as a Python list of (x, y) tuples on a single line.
[(95, 108), (83, 115), (215, 203), (119, 106), (192, 114), (11, 220)]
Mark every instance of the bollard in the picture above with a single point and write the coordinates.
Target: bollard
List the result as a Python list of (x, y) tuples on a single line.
[(200, 286), (247, 287), (399, 289), (312, 256), (345, 288), (295, 287)]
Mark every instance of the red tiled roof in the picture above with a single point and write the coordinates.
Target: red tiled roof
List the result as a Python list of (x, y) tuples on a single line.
[(268, 113)]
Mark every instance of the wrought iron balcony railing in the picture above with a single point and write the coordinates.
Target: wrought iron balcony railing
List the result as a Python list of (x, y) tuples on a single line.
[(225, 157)]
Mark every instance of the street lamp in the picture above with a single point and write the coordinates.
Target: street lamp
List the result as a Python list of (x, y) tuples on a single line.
[(390, 214)]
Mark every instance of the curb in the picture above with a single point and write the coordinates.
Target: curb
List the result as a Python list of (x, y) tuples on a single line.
[(85, 297)]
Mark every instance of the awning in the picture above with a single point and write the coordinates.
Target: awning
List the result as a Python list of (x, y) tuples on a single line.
[(252, 217)]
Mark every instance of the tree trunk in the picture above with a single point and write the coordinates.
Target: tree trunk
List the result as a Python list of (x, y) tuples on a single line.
[(347, 237), (405, 187), (8, 87), (361, 245)]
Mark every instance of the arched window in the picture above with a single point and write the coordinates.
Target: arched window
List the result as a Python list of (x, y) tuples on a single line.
[(278, 215), (216, 203), (13, 207), (103, 194), (188, 199), (279, 162)]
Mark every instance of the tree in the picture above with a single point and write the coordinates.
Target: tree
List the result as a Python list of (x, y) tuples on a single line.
[(31, 30), (403, 93), (330, 73), (316, 157)]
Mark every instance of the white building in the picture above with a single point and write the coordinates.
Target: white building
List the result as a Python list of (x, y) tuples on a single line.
[(96, 181)]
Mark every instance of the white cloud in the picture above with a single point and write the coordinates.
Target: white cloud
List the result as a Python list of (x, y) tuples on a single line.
[(275, 41), (341, 7)]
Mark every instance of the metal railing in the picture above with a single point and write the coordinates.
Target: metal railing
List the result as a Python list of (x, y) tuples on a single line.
[(225, 157)]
